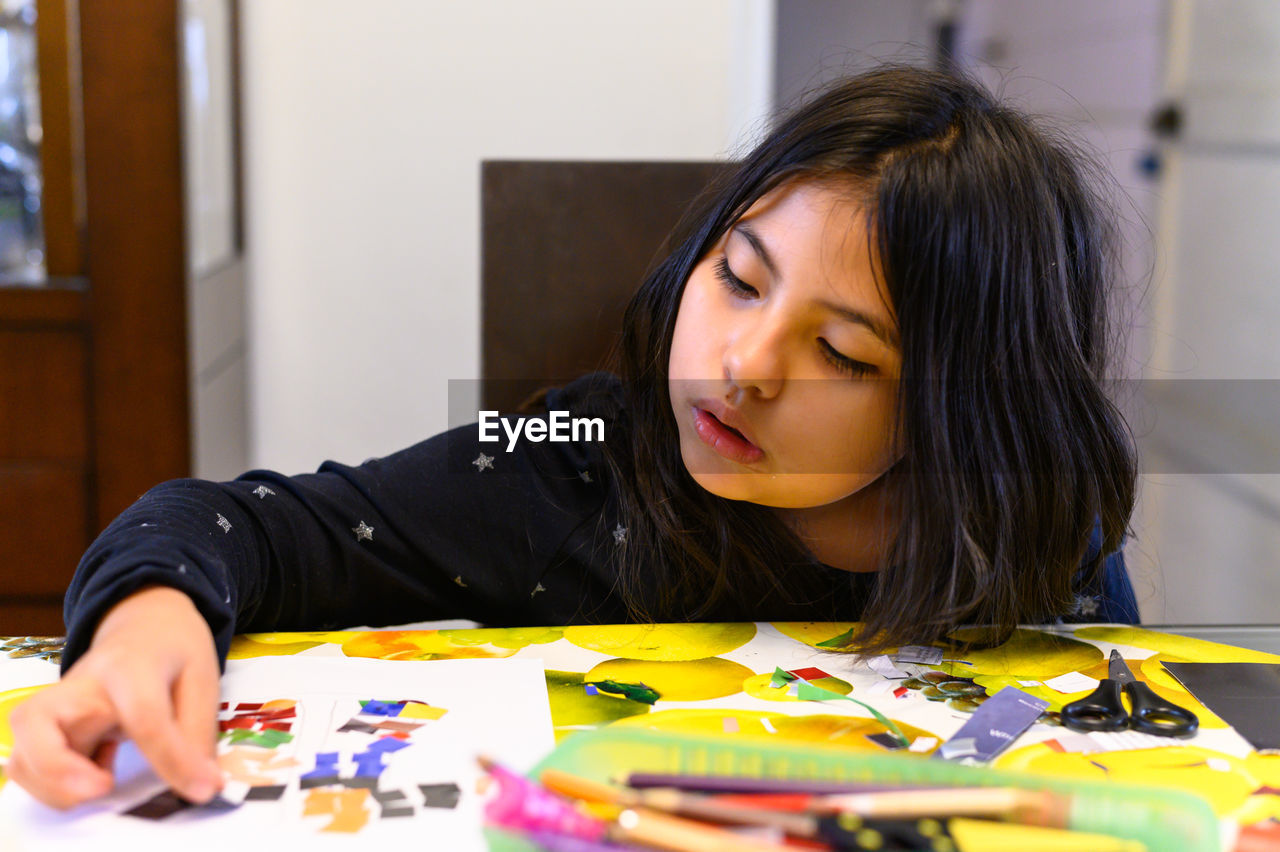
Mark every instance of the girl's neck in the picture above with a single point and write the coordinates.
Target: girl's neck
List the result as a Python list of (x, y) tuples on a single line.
[(851, 534)]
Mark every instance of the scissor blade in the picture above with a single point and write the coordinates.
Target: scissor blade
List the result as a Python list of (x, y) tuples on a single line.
[(1118, 671)]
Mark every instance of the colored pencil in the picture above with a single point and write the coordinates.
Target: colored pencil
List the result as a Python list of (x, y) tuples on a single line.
[(523, 805), (678, 802), (735, 784), (1029, 807)]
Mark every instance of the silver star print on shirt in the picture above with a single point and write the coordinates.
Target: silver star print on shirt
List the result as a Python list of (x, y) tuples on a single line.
[(538, 588), (619, 534), (224, 523), (1086, 605), (262, 491), (482, 461), (585, 475), (364, 532), (458, 580)]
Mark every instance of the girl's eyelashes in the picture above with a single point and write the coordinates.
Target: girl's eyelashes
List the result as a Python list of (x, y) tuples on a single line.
[(733, 282), (844, 363), (738, 287)]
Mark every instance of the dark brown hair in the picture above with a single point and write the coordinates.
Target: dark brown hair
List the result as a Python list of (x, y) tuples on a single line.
[(995, 246)]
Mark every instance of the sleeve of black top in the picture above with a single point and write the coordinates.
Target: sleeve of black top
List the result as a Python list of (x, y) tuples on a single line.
[(434, 531)]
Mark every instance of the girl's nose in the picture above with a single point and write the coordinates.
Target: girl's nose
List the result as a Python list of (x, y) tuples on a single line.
[(753, 360)]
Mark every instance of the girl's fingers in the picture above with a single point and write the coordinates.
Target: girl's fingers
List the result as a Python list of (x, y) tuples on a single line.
[(195, 698), (147, 717), (44, 760)]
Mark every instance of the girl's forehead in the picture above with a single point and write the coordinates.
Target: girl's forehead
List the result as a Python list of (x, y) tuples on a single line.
[(813, 227), (814, 211)]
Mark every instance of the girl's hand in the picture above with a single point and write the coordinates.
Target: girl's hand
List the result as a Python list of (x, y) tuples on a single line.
[(150, 675)]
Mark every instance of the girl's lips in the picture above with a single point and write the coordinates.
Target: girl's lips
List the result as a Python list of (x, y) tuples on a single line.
[(723, 440)]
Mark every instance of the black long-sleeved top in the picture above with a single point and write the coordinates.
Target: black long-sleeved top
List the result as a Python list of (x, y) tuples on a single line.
[(448, 528)]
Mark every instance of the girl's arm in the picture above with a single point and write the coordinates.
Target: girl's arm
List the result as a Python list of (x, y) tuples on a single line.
[(448, 528)]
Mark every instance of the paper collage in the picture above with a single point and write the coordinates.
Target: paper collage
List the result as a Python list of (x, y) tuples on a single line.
[(387, 755), (719, 679)]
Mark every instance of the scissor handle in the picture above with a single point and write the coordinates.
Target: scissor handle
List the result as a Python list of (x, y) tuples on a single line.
[(1101, 710), (1151, 714)]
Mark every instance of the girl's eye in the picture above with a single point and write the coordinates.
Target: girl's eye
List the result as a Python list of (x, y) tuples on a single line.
[(844, 363), (733, 282)]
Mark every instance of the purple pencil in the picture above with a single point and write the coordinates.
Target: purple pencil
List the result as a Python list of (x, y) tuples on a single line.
[(736, 784), (552, 841)]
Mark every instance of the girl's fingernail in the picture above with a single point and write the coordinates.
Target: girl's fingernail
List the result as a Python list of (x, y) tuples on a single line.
[(201, 791)]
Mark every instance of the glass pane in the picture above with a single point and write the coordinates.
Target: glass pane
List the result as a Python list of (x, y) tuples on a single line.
[(21, 222)]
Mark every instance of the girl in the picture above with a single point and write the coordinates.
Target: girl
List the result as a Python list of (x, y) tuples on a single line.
[(864, 385)]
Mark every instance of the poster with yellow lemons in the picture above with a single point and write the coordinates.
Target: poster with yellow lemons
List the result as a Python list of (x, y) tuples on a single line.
[(721, 680)]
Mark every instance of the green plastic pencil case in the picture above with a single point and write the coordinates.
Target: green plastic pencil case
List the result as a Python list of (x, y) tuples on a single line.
[(1165, 819)]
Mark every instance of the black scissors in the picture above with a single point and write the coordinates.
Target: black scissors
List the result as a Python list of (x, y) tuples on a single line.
[(1103, 709)]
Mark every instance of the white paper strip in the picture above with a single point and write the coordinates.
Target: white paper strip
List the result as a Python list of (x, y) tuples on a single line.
[(1072, 682)]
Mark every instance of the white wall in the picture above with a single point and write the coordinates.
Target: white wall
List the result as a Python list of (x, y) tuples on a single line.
[(364, 128)]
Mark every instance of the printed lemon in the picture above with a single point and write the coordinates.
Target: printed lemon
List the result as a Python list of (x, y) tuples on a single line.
[(670, 642), (513, 638), (572, 709), (415, 645), (1218, 777), (1033, 654), (9, 700), (761, 686), (244, 647), (813, 632), (676, 680), (825, 728), (1181, 647)]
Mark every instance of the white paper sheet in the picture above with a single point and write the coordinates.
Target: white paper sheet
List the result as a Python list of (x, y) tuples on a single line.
[(493, 707)]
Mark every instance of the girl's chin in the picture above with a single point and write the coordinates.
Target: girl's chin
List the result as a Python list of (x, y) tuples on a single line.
[(778, 491)]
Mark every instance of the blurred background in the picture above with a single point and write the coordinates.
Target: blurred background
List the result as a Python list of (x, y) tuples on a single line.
[(247, 234)]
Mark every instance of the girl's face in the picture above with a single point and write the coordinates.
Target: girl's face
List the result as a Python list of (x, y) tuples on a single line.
[(785, 362)]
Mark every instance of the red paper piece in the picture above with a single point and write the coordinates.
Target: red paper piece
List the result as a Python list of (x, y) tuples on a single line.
[(810, 673)]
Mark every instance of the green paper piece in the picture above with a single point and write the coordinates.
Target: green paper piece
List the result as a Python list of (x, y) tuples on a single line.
[(781, 678), (808, 692), (841, 641), (634, 691), (271, 738)]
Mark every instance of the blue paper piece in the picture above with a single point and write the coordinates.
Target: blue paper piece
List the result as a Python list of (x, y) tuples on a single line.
[(994, 726), (382, 708), (326, 765), (386, 745)]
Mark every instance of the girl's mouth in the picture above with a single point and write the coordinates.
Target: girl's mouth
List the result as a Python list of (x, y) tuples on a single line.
[(725, 440)]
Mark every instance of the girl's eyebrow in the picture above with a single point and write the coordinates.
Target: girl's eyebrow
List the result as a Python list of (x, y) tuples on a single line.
[(876, 327)]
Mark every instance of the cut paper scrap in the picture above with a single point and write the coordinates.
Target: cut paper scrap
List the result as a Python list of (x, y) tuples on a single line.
[(844, 640), (1071, 682), (1245, 695), (763, 686), (884, 667), (926, 655), (807, 691), (1102, 741), (380, 800), (346, 808), (634, 691), (994, 726), (922, 745)]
